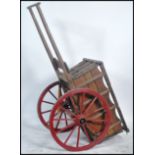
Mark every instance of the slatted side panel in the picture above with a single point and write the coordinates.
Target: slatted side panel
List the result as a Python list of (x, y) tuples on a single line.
[(99, 86)]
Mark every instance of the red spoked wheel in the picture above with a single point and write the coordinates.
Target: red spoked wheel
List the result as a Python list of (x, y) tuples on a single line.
[(86, 122), (47, 100)]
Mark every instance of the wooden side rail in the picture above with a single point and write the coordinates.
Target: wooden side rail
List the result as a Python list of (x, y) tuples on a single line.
[(114, 98), (93, 61)]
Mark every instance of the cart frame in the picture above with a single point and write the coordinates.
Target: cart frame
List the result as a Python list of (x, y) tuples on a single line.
[(59, 64)]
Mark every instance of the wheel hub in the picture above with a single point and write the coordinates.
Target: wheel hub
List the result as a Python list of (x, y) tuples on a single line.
[(82, 121), (66, 105)]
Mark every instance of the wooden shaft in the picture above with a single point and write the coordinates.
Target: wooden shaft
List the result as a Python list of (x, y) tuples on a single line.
[(52, 40), (66, 74), (41, 35)]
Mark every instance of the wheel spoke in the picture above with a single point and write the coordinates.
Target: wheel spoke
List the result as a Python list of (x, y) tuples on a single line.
[(59, 120), (43, 102), (78, 137), (68, 111), (94, 112), (48, 102), (82, 98), (69, 136), (94, 117), (66, 118), (92, 127), (73, 103), (90, 105), (53, 95), (94, 121), (66, 128), (43, 112), (86, 133), (62, 119)]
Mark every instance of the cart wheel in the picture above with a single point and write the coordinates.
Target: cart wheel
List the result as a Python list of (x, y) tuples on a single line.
[(47, 100), (85, 124)]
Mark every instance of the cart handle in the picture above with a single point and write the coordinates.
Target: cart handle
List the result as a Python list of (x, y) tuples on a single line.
[(51, 39), (33, 5)]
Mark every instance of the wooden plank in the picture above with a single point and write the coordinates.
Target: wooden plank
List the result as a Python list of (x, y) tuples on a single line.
[(87, 76), (100, 85), (78, 68), (99, 82), (89, 85), (79, 64), (83, 70), (95, 71), (79, 80), (91, 80), (92, 86), (87, 67)]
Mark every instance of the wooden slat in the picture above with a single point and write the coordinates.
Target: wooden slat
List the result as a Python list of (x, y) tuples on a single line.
[(91, 80), (79, 80), (100, 85), (79, 64), (84, 70), (91, 85), (79, 68)]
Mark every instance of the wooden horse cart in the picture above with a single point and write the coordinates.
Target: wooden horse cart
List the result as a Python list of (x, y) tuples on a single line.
[(82, 107)]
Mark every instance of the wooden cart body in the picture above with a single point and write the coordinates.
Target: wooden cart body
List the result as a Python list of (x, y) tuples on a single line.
[(86, 74), (92, 74)]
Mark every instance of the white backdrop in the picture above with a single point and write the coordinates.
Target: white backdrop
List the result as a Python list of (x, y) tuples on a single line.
[(97, 30)]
